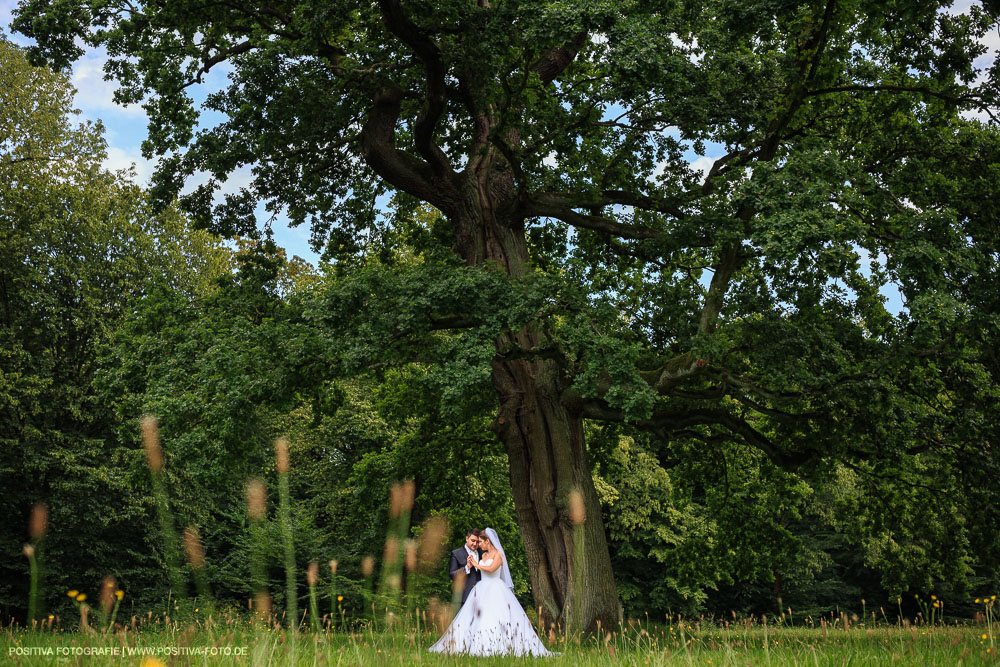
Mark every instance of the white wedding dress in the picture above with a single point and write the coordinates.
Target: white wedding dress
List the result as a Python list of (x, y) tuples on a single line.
[(491, 622)]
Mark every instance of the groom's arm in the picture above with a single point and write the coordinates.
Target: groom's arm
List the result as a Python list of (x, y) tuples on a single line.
[(456, 566)]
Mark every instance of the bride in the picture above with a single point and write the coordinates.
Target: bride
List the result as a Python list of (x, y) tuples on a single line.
[(491, 622)]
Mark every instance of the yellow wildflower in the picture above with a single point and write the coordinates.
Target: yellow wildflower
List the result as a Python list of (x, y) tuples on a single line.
[(119, 594), (73, 593), (81, 597), (340, 598)]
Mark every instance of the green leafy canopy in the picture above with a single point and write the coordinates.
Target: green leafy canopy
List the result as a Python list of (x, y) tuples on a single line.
[(744, 305)]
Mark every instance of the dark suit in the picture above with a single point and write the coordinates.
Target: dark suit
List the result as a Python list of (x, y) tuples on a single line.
[(458, 558)]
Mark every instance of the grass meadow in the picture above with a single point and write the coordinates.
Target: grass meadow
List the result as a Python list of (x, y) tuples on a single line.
[(196, 629), (234, 639)]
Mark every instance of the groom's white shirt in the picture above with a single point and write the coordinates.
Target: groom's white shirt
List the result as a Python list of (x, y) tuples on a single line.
[(475, 557)]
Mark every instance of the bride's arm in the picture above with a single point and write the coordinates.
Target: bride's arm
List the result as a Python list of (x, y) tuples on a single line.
[(492, 567)]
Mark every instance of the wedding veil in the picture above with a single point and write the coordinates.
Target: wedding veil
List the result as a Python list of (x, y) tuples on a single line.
[(504, 569)]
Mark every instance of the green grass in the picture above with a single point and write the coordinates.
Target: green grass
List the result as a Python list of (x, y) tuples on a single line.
[(234, 637), (638, 644)]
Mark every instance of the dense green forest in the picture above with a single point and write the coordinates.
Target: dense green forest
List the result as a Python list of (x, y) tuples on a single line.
[(757, 432), (112, 311)]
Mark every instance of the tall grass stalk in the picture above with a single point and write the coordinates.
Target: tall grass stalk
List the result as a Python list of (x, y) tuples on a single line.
[(287, 537), (312, 578), (285, 516), (154, 459), (29, 551), (990, 615), (367, 570), (119, 595), (37, 527), (577, 516), (457, 588), (256, 497), (400, 506), (333, 594), (410, 563), (196, 558), (107, 600), (429, 547)]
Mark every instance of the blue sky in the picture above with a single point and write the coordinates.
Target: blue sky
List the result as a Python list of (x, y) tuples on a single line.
[(126, 128)]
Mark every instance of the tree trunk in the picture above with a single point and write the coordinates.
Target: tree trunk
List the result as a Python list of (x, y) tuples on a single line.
[(573, 586), (548, 460), (543, 437)]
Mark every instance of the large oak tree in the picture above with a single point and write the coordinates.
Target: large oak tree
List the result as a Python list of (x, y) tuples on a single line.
[(846, 158)]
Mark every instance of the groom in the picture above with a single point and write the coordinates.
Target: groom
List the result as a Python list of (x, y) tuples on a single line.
[(461, 559)]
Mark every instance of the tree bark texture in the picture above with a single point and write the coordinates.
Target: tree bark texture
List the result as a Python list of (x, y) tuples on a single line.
[(544, 440), (548, 460)]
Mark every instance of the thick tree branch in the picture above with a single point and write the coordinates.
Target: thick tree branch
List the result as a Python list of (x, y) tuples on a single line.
[(731, 257), (774, 412), (554, 61), (797, 88), (673, 372), (750, 435), (436, 96), (859, 88), (642, 202), (729, 260), (721, 166), (223, 54), (669, 422), (439, 323), (545, 205), (378, 147)]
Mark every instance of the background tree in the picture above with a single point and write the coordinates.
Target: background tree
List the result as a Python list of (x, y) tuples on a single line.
[(552, 137), (78, 247)]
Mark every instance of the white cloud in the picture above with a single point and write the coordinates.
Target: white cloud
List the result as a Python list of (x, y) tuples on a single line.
[(93, 94), (695, 53), (119, 159), (704, 165), (991, 41), (237, 180)]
